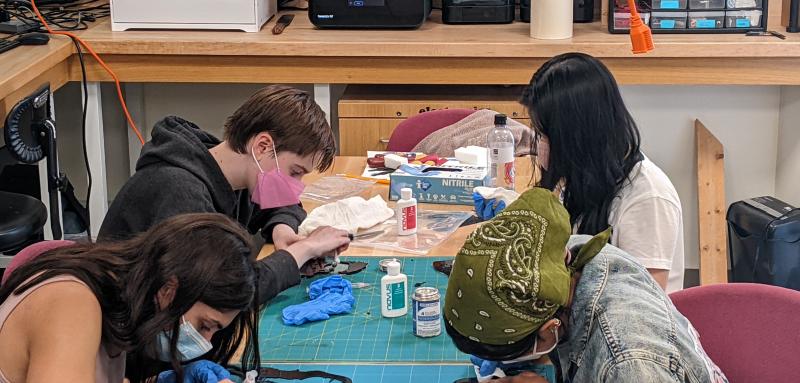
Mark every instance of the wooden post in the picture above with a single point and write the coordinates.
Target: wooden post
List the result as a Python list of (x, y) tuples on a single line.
[(711, 207)]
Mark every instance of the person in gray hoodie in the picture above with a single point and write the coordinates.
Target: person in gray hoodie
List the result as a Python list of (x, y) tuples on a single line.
[(275, 138)]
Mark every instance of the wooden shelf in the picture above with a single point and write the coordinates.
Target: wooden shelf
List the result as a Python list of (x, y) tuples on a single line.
[(433, 39)]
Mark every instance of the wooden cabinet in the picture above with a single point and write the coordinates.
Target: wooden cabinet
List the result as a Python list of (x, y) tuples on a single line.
[(368, 114)]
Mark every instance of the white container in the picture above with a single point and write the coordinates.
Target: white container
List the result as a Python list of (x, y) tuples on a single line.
[(244, 15), (406, 213), (394, 292), (551, 19)]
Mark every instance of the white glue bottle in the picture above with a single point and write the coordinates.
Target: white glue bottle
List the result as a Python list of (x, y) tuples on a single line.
[(394, 292), (406, 213)]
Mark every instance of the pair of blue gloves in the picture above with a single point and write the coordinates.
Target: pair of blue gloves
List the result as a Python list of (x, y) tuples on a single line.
[(201, 371), (329, 296)]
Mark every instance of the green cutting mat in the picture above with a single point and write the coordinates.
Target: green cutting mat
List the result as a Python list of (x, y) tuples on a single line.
[(362, 336)]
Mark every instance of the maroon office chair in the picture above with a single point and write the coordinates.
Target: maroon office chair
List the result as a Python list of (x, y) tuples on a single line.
[(751, 331), (410, 132)]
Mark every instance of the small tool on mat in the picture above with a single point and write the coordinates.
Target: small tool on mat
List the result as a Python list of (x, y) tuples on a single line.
[(367, 235)]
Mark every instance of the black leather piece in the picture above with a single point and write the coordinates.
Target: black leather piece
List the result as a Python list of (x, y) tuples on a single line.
[(21, 217), (443, 267)]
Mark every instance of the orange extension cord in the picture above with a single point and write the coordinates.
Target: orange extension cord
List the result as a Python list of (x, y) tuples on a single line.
[(641, 35), (101, 62)]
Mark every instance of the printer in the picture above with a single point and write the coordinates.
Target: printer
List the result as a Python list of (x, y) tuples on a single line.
[(243, 15), (368, 14)]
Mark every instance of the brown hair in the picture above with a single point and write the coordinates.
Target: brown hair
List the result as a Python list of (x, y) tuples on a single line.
[(210, 255), (291, 117)]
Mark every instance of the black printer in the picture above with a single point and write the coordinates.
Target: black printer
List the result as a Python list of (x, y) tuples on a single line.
[(368, 13), (478, 11)]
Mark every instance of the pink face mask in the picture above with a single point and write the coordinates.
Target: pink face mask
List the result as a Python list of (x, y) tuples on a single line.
[(275, 189)]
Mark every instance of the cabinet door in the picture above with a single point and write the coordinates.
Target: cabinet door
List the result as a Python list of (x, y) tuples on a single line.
[(358, 135)]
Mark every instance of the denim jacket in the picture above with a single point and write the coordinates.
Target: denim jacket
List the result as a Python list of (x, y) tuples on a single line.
[(623, 328)]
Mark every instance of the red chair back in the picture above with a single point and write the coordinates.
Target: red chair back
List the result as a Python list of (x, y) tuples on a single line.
[(410, 132), (751, 331)]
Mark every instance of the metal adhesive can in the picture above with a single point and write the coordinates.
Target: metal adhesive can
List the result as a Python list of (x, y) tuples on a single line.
[(427, 312)]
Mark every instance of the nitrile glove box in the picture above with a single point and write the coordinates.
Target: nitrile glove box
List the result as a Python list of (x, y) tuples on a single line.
[(443, 187)]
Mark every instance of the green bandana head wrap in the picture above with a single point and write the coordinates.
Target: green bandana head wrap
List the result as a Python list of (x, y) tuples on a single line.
[(510, 277)]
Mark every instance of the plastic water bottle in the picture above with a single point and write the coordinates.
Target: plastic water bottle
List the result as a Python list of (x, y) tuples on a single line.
[(501, 154)]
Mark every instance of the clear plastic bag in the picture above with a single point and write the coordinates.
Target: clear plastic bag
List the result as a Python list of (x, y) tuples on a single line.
[(334, 188), (433, 227)]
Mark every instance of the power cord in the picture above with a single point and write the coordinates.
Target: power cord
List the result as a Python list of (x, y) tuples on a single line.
[(71, 17), (100, 61), (83, 137)]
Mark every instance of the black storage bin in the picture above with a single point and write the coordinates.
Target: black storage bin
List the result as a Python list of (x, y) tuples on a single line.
[(764, 242)]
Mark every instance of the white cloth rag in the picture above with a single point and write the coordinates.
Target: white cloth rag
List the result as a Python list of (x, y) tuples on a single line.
[(499, 194), (349, 214)]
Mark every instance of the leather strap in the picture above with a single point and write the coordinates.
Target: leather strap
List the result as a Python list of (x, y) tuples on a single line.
[(267, 373)]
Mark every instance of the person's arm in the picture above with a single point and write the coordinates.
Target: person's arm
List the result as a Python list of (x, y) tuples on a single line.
[(661, 277), (277, 272), (284, 236), (281, 270), (638, 371), (268, 219), (649, 230), (64, 331)]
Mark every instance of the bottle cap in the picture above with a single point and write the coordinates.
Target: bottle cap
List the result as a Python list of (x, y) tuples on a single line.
[(500, 119), (393, 268), (405, 193)]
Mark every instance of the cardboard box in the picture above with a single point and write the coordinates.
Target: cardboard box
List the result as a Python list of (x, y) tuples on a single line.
[(442, 187)]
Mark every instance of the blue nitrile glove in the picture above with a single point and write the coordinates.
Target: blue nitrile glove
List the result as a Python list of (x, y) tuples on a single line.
[(331, 295), (484, 368), (201, 371), (487, 208)]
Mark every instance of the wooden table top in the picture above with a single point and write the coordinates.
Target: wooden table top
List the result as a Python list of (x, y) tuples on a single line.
[(355, 165)]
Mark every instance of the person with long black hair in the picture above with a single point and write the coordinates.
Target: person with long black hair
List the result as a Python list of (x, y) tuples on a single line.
[(71, 314), (595, 160)]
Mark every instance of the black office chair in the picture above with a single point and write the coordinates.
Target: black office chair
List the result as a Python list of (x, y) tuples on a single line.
[(30, 136)]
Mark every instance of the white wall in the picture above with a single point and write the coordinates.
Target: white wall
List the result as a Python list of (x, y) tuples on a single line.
[(787, 183), (68, 126), (745, 119)]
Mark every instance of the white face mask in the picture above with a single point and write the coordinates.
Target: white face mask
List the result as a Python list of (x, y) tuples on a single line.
[(536, 354), (191, 344)]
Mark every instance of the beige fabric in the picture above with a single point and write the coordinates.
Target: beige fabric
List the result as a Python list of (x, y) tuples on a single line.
[(472, 130), (107, 369)]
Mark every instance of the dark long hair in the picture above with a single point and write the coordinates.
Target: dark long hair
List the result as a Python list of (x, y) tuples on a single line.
[(594, 143), (210, 256)]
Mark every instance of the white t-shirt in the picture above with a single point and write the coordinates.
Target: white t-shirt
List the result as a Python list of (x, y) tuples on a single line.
[(647, 222)]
